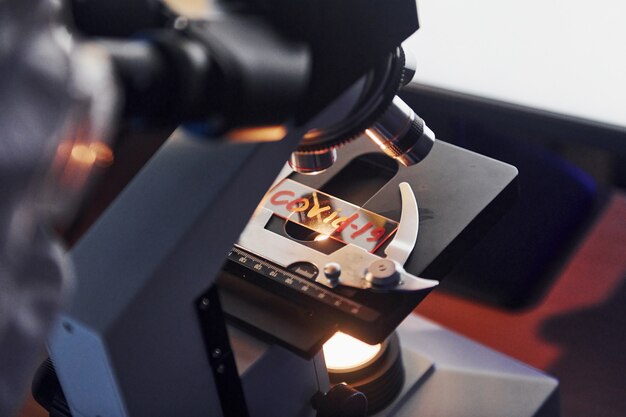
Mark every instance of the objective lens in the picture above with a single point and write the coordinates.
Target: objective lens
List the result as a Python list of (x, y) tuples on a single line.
[(401, 134), (312, 163)]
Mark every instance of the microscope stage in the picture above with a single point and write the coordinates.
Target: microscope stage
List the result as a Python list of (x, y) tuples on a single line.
[(459, 194)]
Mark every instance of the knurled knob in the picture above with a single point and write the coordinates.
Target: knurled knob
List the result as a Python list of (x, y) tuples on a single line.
[(382, 273)]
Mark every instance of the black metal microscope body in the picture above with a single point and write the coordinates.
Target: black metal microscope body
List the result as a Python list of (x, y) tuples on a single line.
[(145, 334)]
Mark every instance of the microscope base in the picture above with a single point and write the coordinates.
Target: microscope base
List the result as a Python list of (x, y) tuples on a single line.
[(449, 375)]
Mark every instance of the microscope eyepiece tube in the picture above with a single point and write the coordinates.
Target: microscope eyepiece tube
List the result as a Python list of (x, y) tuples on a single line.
[(402, 134)]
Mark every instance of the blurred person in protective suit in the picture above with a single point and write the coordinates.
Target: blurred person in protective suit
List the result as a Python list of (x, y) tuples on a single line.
[(49, 84)]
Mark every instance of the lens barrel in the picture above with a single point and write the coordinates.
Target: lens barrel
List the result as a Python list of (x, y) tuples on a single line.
[(402, 134)]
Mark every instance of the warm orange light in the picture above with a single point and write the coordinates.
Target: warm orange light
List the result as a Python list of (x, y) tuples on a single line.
[(373, 136), (321, 238), (343, 352), (190, 8), (74, 162), (311, 134), (96, 152), (104, 154), (89, 154), (83, 154), (258, 134)]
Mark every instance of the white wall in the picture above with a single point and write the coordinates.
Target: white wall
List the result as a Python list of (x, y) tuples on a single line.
[(564, 56)]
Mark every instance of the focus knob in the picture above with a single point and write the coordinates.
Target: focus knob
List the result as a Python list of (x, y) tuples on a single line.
[(341, 401)]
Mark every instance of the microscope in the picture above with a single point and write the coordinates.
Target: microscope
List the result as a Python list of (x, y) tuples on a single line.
[(300, 204)]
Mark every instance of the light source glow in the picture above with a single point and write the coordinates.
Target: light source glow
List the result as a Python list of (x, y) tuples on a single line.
[(103, 153), (343, 352), (81, 153), (257, 134), (89, 154)]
